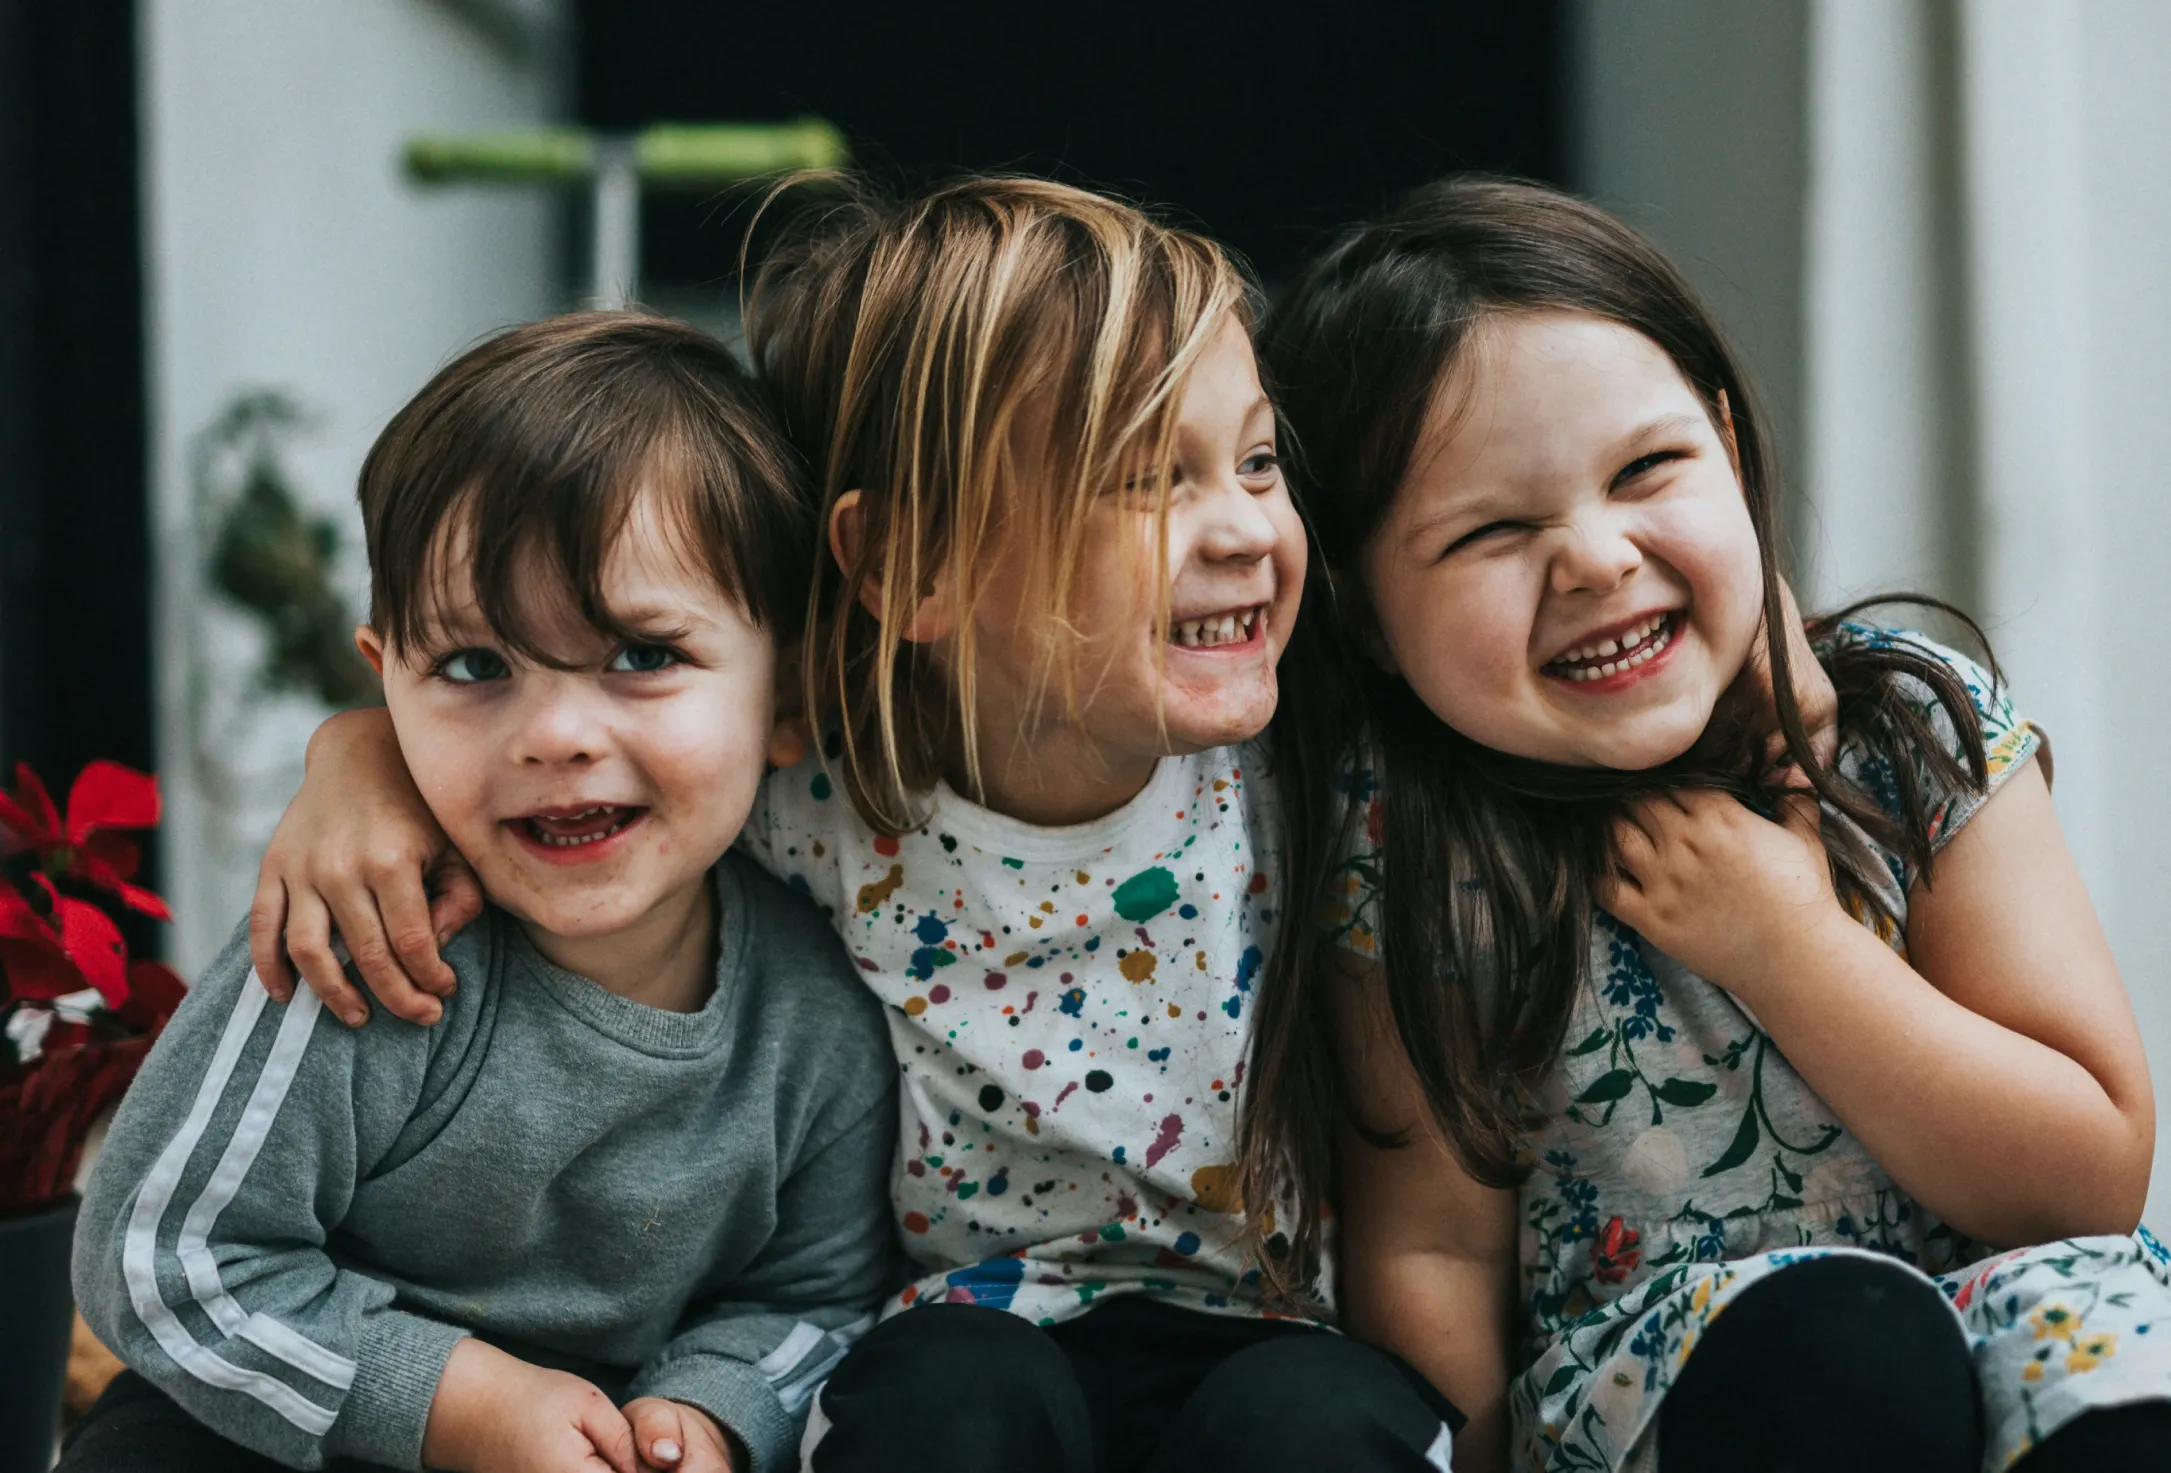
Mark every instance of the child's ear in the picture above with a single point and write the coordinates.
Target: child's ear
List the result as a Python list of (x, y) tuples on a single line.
[(791, 731), (372, 647), (1726, 433), (933, 618), (789, 740)]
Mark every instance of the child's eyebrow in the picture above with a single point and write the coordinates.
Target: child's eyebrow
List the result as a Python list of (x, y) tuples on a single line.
[(1663, 427)]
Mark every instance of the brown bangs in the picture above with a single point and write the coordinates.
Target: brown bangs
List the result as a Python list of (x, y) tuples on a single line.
[(521, 463)]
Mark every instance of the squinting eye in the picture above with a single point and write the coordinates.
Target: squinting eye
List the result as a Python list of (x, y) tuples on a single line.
[(472, 667), (1490, 529), (642, 659), (1265, 463), (1643, 463)]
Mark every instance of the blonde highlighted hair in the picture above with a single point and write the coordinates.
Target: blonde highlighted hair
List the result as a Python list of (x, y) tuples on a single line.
[(982, 363)]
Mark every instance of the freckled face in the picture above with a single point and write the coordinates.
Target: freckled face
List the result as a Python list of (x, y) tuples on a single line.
[(1235, 566), (1569, 573)]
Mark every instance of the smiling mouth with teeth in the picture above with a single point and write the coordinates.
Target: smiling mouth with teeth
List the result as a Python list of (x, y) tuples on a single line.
[(1216, 632), (1629, 650), (577, 828)]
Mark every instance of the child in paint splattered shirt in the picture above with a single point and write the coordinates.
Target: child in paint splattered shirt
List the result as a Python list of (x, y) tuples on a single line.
[(1064, 566)]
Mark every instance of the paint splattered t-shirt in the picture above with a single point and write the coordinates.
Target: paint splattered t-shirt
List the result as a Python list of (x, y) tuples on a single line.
[(1069, 1008)]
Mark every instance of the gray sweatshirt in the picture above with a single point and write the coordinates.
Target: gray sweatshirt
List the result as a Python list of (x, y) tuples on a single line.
[(293, 1223)]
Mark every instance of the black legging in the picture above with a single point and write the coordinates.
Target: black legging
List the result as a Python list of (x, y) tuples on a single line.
[(1131, 1387), (1848, 1363)]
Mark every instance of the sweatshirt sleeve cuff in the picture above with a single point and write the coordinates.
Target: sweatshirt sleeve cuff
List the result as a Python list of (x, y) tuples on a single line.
[(398, 1364), (739, 1397)]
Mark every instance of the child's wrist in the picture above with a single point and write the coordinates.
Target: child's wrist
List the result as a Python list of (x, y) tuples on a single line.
[(474, 1384), (1793, 955)]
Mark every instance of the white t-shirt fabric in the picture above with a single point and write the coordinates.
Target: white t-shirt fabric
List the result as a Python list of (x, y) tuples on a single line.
[(1070, 1009)]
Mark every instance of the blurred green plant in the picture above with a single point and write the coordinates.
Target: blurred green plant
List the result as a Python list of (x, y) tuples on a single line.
[(270, 557)]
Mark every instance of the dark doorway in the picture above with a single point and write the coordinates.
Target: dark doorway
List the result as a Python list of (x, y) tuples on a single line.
[(75, 622), (1269, 124)]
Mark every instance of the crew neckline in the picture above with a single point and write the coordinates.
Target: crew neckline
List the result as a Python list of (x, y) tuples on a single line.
[(1012, 838), (638, 1025)]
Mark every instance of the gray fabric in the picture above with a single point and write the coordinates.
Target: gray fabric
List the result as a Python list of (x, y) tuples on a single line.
[(684, 1205)]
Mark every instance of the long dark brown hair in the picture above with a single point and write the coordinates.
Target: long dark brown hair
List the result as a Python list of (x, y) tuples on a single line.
[(1490, 861)]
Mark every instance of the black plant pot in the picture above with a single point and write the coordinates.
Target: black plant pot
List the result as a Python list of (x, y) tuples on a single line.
[(37, 1310)]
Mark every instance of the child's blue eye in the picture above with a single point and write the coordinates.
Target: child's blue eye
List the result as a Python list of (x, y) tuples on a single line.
[(472, 667), (1263, 464), (642, 659)]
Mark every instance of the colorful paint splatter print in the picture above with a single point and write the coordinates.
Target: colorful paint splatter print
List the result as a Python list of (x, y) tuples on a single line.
[(1070, 1008), (1684, 1160)]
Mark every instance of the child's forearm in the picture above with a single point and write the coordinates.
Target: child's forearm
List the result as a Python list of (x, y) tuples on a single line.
[(2004, 1137), (1448, 1317)]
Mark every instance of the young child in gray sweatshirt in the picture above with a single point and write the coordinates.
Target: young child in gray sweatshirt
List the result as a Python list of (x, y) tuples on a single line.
[(644, 1158)]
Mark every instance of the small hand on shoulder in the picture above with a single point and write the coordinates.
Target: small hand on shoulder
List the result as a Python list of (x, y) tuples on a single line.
[(1719, 887), (349, 860)]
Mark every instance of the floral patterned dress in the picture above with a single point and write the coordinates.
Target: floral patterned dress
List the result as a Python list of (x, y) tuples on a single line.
[(1684, 1160)]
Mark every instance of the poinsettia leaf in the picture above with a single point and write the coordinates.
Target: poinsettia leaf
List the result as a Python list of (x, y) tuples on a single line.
[(106, 795), (40, 820), (16, 827), (94, 944), (18, 917), (37, 969), (116, 852), (143, 902), (154, 991)]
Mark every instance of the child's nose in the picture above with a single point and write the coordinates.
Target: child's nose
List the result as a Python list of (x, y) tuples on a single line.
[(1237, 526), (564, 723), (1595, 554)]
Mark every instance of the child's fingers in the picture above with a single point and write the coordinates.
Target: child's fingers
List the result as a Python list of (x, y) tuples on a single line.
[(659, 1432), (361, 927), (610, 1434), (267, 937), (309, 943), (458, 900), (405, 909)]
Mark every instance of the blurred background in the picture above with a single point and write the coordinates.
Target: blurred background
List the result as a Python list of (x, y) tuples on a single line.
[(1935, 226)]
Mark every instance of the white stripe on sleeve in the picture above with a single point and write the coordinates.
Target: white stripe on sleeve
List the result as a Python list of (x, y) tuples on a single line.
[(267, 1334), (139, 1248)]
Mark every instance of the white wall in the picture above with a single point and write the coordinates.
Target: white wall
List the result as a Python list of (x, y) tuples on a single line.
[(286, 250), (2125, 173), (1975, 380)]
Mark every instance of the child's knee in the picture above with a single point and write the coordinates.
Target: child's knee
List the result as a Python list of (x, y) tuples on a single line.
[(1306, 1401), (955, 1387)]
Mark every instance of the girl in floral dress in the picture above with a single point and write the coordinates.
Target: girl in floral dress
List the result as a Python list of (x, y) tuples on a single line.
[(1759, 1061)]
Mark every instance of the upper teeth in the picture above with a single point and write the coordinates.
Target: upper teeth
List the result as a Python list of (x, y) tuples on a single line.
[(1224, 629), (1634, 647)]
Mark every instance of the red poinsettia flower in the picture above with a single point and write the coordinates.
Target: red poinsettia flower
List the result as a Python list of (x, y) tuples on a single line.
[(72, 946), (85, 842), (1614, 1254)]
